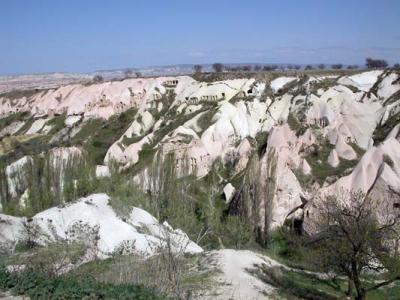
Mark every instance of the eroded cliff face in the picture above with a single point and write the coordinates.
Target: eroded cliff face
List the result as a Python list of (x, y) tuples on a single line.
[(279, 143), (35, 181)]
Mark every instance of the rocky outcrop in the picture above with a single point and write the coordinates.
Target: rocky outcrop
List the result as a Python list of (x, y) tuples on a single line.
[(42, 169), (92, 220), (377, 173), (281, 135)]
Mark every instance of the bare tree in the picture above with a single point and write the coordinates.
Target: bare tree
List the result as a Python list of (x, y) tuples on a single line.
[(321, 66), (309, 67), (30, 233), (218, 67), (297, 67), (354, 233), (396, 66), (257, 68), (197, 68)]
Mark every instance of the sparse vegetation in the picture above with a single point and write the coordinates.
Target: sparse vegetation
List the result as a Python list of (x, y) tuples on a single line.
[(318, 161), (97, 135), (97, 79), (383, 130), (39, 286), (173, 194), (296, 125), (8, 120), (324, 84)]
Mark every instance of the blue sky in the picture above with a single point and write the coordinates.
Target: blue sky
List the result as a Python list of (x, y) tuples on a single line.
[(78, 36)]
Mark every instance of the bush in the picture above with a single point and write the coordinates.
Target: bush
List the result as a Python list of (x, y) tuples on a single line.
[(296, 125), (371, 63), (270, 68), (36, 285), (237, 232), (337, 66), (97, 79), (352, 67)]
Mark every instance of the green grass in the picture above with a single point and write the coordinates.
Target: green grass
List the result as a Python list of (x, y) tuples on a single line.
[(146, 155), (57, 123), (4, 122), (39, 286), (97, 135), (321, 169), (25, 145), (205, 120), (382, 131), (28, 123), (324, 84), (191, 272), (297, 284)]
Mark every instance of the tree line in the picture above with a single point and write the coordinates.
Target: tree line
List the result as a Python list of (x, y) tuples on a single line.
[(370, 63)]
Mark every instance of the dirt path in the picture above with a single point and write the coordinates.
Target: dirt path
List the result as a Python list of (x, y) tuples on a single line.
[(235, 282)]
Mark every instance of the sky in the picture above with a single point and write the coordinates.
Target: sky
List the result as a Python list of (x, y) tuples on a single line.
[(40, 36)]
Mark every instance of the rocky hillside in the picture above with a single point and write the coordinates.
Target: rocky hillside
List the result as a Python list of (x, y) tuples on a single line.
[(225, 158), (272, 145)]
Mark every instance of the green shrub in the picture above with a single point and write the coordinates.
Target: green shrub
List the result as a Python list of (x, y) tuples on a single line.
[(36, 285), (318, 161), (295, 125), (236, 232), (388, 160), (4, 122), (97, 135), (382, 131), (57, 123), (296, 285)]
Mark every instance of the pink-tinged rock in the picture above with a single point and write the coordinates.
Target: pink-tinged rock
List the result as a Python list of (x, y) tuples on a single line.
[(344, 150), (333, 158)]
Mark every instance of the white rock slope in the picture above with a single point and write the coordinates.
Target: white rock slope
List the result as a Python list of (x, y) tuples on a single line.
[(139, 233)]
